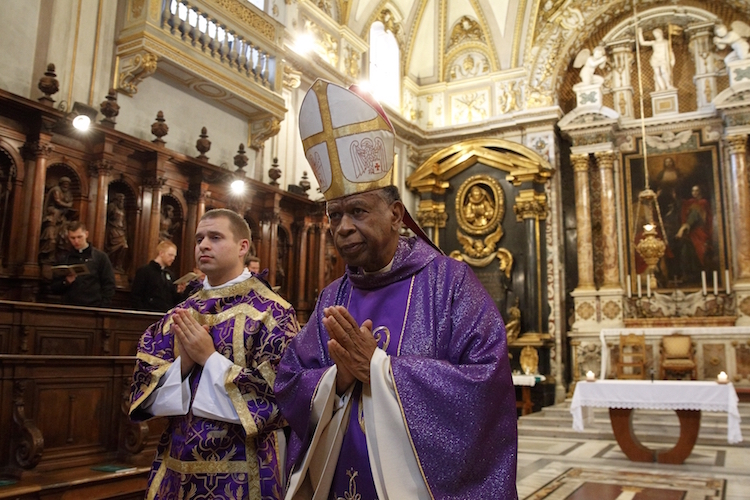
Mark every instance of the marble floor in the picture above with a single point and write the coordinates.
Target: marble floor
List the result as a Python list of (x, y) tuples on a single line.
[(565, 465)]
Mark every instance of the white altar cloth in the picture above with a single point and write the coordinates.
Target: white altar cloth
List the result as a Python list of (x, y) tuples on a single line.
[(659, 395), (527, 380), (661, 332)]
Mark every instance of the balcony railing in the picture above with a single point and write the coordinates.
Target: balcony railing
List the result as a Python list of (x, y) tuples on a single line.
[(216, 39)]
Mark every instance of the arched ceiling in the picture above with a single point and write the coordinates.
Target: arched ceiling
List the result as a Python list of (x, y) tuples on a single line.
[(435, 35)]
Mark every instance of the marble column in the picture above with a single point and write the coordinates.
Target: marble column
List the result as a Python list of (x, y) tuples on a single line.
[(739, 190), (702, 51), (37, 153), (530, 208), (611, 266), (584, 245), (101, 169)]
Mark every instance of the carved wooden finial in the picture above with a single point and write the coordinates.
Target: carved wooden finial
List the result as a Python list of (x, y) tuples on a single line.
[(240, 159), (203, 145), (159, 128), (110, 109), (304, 183), (274, 172), (49, 85)]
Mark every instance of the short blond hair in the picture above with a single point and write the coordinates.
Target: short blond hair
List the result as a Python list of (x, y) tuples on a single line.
[(164, 245)]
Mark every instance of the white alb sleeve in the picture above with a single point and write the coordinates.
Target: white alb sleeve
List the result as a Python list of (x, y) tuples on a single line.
[(172, 396), (211, 398)]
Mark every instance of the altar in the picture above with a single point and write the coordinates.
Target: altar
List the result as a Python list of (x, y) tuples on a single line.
[(713, 336), (686, 398)]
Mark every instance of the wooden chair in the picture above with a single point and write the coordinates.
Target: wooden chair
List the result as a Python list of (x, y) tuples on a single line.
[(632, 362), (677, 356)]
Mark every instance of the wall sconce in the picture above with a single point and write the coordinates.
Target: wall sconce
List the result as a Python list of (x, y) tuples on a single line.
[(83, 115)]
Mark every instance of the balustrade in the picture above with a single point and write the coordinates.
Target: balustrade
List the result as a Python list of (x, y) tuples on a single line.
[(221, 42)]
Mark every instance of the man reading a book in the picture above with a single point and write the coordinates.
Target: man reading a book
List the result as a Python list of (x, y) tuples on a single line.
[(94, 288), (153, 287), (209, 366)]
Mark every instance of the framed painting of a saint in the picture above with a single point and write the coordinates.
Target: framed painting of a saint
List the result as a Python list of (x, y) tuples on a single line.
[(685, 208)]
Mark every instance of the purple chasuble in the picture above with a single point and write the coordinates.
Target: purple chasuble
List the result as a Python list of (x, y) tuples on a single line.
[(450, 370), (204, 458), (386, 307)]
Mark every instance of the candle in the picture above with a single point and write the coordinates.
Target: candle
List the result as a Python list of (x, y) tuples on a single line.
[(630, 291), (722, 378), (703, 281), (638, 283), (590, 376), (648, 286), (726, 280), (716, 282)]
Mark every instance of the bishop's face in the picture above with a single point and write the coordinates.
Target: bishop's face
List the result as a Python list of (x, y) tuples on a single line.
[(365, 229)]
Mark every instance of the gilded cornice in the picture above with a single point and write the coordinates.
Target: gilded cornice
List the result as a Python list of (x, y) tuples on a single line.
[(513, 158)]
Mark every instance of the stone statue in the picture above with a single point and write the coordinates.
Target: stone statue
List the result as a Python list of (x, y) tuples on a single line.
[(58, 211), (734, 38), (662, 59), (588, 63), (116, 242)]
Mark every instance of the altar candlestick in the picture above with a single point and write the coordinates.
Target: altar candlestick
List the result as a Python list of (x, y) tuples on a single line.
[(638, 283), (703, 282), (726, 280), (630, 291), (722, 378), (716, 282)]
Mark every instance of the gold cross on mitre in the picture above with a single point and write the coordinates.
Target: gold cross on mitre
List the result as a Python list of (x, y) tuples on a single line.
[(348, 141)]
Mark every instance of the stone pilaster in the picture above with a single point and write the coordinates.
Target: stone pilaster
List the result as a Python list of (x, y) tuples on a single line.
[(701, 49), (622, 60)]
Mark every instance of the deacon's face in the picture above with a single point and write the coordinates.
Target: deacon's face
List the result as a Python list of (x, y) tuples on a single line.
[(254, 267), (217, 253), (365, 229)]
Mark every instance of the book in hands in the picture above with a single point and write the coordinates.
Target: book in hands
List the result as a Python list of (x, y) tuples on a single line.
[(77, 269), (187, 278)]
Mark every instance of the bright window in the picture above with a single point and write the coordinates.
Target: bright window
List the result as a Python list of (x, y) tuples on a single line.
[(384, 65)]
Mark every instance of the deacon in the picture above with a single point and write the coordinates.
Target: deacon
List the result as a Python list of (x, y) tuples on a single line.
[(399, 386), (209, 366)]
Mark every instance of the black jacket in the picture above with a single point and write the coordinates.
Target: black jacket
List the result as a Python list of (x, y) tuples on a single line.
[(153, 289), (95, 289)]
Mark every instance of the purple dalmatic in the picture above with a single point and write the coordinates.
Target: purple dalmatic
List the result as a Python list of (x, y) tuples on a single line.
[(449, 361), (204, 458)]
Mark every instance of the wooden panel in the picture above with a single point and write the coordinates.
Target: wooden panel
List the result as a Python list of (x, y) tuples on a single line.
[(72, 416), (64, 343), (5, 339)]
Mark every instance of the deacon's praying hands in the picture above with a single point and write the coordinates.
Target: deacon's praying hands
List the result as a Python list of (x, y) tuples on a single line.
[(195, 343), (351, 346)]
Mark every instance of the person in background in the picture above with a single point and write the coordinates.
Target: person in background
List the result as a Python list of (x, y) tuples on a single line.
[(209, 367), (94, 288), (253, 265), (153, 288), (399, 386)]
